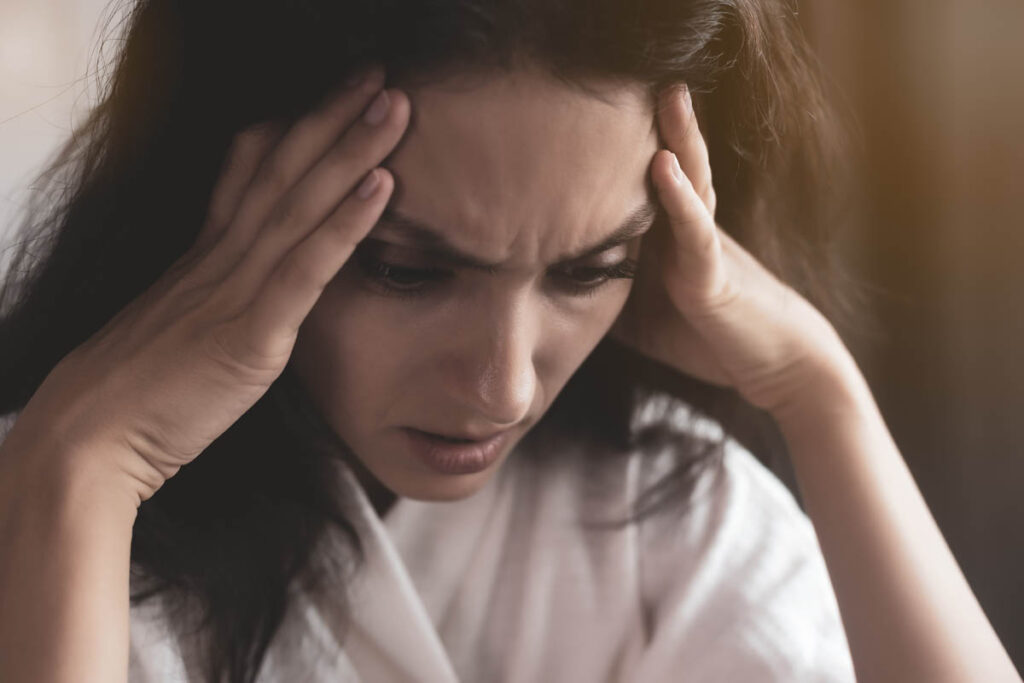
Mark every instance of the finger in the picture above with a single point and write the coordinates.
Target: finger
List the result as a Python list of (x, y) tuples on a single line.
[(319, 192), (696, 276), (679, 128), (298, 150), (243, 159), (295, 285)]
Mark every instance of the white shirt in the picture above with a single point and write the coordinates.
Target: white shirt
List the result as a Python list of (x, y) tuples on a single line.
[(506, 585)]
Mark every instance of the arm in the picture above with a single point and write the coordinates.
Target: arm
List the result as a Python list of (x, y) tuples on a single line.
[(65, 540), (172, 371), (907, 609)]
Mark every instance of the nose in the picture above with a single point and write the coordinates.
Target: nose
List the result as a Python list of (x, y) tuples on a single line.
[(494, 374)]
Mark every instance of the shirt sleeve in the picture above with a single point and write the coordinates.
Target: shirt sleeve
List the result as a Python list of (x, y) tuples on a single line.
[(736, 588)]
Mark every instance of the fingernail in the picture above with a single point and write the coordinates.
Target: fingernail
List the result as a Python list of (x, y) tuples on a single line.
[(378, 109), (687, 100), (369, 185), (676, 170)]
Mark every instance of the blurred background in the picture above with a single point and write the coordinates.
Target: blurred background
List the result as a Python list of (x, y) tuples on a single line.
[(936, 231)]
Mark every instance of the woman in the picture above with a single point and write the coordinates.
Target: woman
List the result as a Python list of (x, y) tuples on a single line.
[(360, 311)]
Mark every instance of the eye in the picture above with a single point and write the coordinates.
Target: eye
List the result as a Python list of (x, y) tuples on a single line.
[(403, 281), (585, 281), (398, 280)]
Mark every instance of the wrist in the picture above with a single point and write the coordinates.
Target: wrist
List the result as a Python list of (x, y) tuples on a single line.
[(66, 536), (61, 476), (831, 387)]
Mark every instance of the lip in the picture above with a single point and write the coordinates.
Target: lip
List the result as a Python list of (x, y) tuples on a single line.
[(446, 457)]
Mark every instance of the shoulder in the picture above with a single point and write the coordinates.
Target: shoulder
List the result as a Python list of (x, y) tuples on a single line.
[(736, 584)]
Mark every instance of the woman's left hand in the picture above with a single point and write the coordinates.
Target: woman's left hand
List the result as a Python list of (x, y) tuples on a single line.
[(703, 305)]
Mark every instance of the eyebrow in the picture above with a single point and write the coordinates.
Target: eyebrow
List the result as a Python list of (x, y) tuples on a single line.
[(419, 235)]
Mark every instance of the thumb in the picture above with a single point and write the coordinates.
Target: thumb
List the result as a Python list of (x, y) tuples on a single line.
[(694, 264)]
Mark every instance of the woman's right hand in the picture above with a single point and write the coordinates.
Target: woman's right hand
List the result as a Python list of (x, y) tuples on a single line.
[(182, 362)]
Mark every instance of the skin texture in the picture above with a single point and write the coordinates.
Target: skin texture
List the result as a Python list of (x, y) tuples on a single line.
[(517, 169), (496, 351), (709, 308), (491, 352)]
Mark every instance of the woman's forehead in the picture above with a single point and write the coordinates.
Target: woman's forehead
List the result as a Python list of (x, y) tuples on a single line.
[(521, 165)]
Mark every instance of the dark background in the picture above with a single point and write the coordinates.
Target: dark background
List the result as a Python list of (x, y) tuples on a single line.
[(937, 233)]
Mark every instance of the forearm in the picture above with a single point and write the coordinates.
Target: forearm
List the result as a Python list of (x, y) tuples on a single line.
[(908, 611), (65, 542)]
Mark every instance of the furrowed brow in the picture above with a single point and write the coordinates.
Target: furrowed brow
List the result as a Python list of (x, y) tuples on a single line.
[(419, 235)]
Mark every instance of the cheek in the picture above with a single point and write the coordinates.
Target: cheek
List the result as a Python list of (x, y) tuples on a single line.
[(607, 308), (350, 356), (570, 337)]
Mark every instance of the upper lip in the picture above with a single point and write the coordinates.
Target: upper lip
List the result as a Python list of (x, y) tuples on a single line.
[(465, 436)]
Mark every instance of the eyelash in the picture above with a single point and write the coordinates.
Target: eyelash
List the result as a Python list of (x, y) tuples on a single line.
[(383, 275)]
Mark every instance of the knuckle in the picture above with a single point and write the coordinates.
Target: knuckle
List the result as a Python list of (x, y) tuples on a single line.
[(225, 348), (722, 297), (188, 293), (250, 362), (216, 309), (231, 350)]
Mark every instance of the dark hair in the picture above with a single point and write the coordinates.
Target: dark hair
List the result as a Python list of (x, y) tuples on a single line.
[(235, 530)]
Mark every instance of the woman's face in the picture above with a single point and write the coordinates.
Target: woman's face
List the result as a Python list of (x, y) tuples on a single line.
[(517, 171)]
